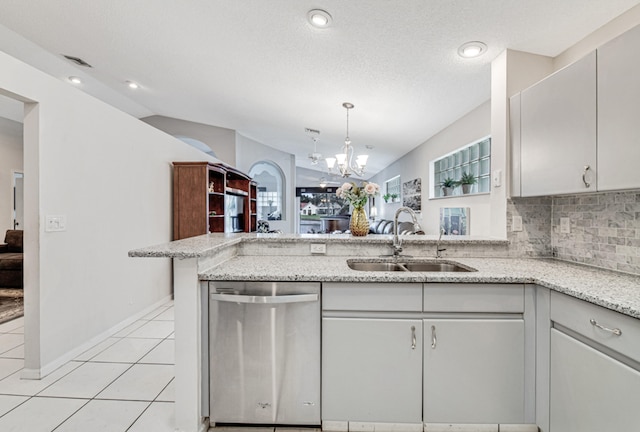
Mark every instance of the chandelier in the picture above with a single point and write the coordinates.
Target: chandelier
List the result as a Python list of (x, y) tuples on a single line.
[(345, 163)]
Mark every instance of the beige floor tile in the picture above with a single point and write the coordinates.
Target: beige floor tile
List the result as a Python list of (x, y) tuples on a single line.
[(143, 382), (15, 385), (104, 416), (126, 350), (86, 381), (40, 414), (159, 417)]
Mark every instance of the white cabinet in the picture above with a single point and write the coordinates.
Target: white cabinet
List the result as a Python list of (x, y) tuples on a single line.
[(618, 112), (372, 370), (558, 131), (590, 391), (474, 371), (371, 354)]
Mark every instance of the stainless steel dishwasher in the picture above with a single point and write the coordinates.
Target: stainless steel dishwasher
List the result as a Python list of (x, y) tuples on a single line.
[(264, 351)]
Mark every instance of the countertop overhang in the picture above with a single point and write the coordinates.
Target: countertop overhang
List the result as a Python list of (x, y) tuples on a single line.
[(613, 290)]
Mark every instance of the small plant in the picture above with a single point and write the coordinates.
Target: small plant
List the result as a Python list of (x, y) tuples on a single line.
[(394, 196), (448, 183), (467, 178), (386, 197)]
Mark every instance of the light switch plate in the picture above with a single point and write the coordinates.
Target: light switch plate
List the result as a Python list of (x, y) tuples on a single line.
[(516, 223), (318, 248), (496, 177), (55, 223), (565, 225)]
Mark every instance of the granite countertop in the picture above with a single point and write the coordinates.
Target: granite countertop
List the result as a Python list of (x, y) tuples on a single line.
[(616, 291), (195, 247)]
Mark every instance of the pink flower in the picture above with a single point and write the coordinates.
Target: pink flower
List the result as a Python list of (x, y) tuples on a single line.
[(339, 192), (370, 189), (346, 186)]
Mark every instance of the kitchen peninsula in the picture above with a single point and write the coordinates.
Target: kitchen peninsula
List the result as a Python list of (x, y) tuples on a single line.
[(279, 257)]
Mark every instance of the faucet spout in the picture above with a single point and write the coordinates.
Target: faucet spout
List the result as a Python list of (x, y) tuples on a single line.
[(397, 243)]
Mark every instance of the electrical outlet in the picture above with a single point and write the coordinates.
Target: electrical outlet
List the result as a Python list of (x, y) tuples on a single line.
[(565, 225), (318, 248), (516, 223)]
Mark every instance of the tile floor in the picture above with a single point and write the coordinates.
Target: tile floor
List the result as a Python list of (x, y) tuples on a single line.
[(122, 384)]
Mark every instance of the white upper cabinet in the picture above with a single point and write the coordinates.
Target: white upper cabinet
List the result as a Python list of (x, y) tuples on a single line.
[(619, 112), (558, 132)]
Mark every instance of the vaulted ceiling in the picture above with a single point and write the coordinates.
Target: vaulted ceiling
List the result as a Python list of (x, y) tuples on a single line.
[(260, 68)]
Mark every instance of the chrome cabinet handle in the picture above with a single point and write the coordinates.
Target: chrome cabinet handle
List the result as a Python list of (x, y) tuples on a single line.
[(615, 331), (584, 176), (434, 339), (283, 299), (413, 337)]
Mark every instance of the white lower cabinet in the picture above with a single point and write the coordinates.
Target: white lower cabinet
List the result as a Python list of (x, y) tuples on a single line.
[(590, 391), (372, 370), (473, 371)]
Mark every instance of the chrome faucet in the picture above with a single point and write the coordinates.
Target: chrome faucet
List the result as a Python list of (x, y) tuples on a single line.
[(397, 243), (438, 250)]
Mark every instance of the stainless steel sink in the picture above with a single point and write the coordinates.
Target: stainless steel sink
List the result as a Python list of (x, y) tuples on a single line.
[(409, 266), (375, 266)]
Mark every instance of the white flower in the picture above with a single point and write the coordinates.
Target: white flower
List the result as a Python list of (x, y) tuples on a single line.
[(339, 192), (346, 186), (370, 189)]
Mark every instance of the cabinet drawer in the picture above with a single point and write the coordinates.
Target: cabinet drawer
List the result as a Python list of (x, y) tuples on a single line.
[(584, 318), (443, 297), (405, 297)]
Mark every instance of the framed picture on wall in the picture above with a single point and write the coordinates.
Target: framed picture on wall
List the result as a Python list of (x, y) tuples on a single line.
[(412, 194)]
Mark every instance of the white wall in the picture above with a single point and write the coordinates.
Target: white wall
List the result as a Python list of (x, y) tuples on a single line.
[(110, 175), (10, 161), (470, 128), (609, 31), (248, 152), (220, 140)]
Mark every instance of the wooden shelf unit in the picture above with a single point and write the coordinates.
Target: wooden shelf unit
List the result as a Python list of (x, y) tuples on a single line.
[(199, 191)]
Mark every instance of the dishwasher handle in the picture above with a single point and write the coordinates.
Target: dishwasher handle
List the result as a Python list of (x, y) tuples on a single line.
[(251, 299)]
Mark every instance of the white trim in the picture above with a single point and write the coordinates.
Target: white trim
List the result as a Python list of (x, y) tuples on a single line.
[(45, 370)]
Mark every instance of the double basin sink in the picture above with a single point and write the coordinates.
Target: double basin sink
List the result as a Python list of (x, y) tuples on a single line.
[(408, 266)]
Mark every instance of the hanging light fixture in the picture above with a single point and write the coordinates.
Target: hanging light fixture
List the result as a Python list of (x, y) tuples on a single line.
[(345, 163)]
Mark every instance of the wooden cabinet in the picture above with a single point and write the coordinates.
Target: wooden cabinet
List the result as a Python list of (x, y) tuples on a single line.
[(200, 196), (198, 199), (591, 391), (558, 132), (618, 112)]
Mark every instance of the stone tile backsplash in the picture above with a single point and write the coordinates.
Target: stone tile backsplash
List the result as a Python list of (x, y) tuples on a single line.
[(535, 238), (604, 229)]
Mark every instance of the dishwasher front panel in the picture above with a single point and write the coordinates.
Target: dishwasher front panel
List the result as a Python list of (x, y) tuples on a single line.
[(264, 352)]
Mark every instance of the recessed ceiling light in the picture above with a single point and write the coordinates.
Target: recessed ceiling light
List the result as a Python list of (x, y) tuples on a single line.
[(319, 18), (472, 49), (132, 85), (75, 80)]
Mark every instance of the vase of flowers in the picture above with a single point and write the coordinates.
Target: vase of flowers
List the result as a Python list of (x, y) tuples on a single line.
[(357, 196)]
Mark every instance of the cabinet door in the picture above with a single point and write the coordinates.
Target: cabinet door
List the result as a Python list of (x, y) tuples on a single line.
[(558, 131), (618, 112), (590, 391), (371, 370), (474, 371)]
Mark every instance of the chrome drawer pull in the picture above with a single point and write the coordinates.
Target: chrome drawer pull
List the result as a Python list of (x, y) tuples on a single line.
[(584, 176), (434, 340), (615, 331), (413, 337)]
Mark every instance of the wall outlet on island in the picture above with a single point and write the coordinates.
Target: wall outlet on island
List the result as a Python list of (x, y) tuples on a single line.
[(318, 248), (516, 223)]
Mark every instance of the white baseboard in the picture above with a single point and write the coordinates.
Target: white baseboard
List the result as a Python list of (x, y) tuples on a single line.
[(70, 355)]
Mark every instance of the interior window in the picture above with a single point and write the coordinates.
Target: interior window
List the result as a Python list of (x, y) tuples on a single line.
[(270, 190)]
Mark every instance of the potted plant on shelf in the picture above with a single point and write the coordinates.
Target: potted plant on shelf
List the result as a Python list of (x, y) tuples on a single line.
[(447, 186), (467, 181), (386, 197), (394, 197)]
